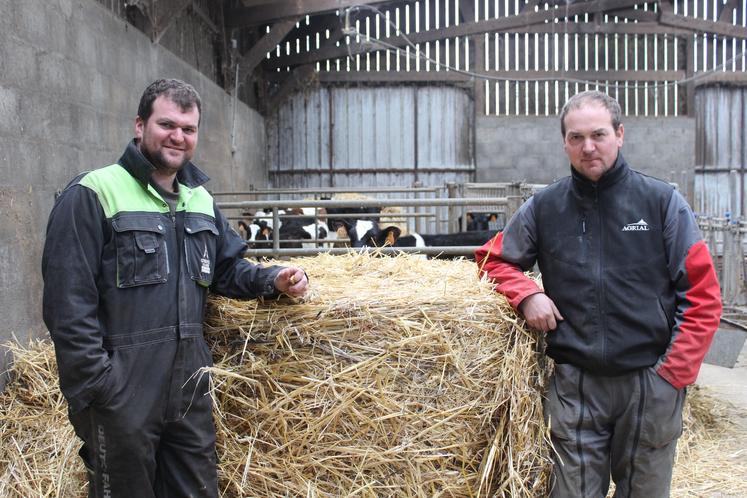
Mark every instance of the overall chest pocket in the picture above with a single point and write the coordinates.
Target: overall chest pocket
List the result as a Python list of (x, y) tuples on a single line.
[(200, 239), (142, 256)]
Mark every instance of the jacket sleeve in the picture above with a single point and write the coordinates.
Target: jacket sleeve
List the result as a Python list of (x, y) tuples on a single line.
[(697, 296), (70, 269), (506, 256), (235, 276)]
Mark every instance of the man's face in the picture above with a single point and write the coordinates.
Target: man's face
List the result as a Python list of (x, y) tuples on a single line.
[(169, 137), (590, 141)]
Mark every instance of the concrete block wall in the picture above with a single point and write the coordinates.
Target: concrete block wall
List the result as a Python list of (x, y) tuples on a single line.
[(531, 148), (72, 75)]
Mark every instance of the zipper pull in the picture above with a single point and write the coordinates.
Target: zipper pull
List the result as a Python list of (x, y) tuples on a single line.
[(583, 225)]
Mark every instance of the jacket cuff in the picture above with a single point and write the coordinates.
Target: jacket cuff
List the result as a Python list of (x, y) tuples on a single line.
[(267, 288), (517, 300)]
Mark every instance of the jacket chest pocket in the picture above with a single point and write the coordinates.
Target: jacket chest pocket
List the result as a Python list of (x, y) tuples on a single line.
[(142, 256), (200, 239)]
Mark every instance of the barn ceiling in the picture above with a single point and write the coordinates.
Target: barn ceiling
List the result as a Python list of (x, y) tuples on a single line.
[(264, 40)]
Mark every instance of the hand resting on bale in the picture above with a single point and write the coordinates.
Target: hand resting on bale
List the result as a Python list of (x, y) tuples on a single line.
[(292, 281)]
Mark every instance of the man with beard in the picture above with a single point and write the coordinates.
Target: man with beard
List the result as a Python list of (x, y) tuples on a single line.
[(131, 252)]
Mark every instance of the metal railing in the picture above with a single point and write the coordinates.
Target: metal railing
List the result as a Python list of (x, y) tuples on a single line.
[(276, 205)]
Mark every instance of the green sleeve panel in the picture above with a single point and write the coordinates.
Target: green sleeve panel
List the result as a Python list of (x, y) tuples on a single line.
[(195, 200)]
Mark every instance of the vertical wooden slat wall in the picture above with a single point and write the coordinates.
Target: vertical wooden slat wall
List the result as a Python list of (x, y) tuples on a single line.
[(560, 49)]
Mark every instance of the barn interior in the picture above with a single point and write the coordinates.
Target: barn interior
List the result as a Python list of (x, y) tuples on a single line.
[(444, 110)]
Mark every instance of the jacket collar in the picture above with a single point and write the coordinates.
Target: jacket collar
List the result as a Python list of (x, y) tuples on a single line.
[(612, 176), (141, 169)]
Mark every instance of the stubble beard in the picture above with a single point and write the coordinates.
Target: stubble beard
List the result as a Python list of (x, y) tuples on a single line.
[(161, 162)]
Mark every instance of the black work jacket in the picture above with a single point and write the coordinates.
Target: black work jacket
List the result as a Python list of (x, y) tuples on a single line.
[(126, 281)]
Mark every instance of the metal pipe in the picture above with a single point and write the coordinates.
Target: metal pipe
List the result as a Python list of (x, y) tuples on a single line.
[(389, 216), (445, 250), (330, 190), (484, 201)]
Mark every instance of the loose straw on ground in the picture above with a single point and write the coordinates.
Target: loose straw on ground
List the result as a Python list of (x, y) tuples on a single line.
[(395, 376)]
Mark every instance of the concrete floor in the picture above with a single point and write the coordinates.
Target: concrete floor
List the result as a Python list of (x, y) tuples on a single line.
[(729, 383)]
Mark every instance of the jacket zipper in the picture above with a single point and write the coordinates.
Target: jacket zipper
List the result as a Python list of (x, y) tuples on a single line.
[(600, 279)]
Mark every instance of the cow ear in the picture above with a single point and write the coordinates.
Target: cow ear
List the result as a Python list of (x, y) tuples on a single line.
[(266, 231), (391, 234)]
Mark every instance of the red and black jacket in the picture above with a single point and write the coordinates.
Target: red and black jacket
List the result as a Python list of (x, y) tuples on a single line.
[(625, 264)]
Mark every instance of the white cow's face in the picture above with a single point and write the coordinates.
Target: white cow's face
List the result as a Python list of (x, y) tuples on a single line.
[(254, 229), (361, 233), (317, 230)]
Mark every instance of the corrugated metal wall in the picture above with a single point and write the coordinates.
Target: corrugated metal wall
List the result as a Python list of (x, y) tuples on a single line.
[(386, 136), (721, 146)]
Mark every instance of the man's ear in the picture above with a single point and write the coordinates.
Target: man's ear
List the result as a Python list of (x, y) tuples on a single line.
[(619, 133), (139, 125)]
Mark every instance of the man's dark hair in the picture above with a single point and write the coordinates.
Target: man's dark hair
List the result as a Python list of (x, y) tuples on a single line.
[(182, 94), (592, 96)]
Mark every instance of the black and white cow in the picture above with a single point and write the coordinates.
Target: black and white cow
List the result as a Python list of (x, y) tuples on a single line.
[(259, 233), (373, 236)]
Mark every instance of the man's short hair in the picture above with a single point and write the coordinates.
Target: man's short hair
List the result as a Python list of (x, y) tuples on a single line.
[(182, 94), (592, 96)]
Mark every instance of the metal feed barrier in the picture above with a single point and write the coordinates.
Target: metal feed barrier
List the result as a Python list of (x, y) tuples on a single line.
[(276, 205)]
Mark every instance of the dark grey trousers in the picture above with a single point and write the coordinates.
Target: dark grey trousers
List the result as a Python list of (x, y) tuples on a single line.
[(623, 427)]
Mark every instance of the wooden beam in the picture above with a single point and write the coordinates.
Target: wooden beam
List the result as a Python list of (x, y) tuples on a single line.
[(507, 75), (162, 14), (529, 6), (252, 16), (726, 12), (205, 17), (623, 28), (504, 24), (725, 77), (467, 11), (300, 74), (689, 72), (254, 3), (667, 18), (254, 56), (635, 14), (640, 28), (297, 77)]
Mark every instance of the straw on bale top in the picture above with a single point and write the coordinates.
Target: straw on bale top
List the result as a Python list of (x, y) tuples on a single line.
[(395, 376)]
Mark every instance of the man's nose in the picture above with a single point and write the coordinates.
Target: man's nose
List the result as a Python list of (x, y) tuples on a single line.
[(588, 145), (177, 135)]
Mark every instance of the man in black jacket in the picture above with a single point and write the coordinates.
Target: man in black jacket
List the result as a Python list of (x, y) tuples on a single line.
[(131, 252), (630, 305)]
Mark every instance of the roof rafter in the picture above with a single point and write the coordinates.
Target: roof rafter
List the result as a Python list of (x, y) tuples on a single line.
[(301, 74), (727, 10), (261, 14), (259, 50), (508, 75), (668, 18), (519, 21)]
